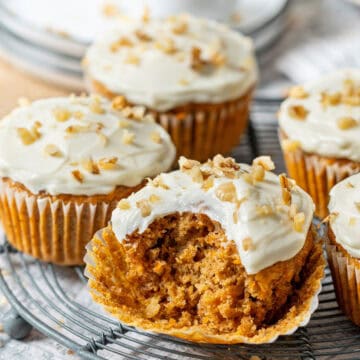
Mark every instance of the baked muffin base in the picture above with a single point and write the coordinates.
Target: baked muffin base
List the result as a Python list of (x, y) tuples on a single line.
[(181, 277), (345, 271), (317, 174), (199, 131), (54, 228)]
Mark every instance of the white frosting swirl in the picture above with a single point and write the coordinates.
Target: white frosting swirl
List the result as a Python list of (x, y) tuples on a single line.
[(320, 132), (157, 72), (44, 143), (272, 234), (344, 206)]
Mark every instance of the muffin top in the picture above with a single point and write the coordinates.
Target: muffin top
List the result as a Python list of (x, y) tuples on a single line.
[(267, 216), (166, 63), (323, 117), (344, 208), (81, 146)]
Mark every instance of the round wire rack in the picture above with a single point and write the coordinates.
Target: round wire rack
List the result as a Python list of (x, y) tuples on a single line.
[(55, 300)]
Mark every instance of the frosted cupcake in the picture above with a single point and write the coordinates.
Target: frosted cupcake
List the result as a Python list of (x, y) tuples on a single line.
[(343, 245), (219, 252), (320, 133), (64, 165), (194, 75)]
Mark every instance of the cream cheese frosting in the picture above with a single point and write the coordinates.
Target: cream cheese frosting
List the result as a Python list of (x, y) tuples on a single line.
[(344, 208), (324, 116), (266, 216), (81, 146), (166, 63)]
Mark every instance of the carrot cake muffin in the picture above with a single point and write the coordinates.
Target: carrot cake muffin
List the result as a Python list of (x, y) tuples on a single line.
[(217, 252), (343, 245), (64, 165), (320, 133), (194, 75)]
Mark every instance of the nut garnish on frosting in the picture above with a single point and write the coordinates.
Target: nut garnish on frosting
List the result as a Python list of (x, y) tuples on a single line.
[(75, 146), (265, 226)]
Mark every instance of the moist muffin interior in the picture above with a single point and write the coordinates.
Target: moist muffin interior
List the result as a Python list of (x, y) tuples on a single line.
[(183, 272)]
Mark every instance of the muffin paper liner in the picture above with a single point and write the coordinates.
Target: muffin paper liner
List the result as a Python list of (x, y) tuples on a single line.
[(297, 316), (317, 174), (345, 272), (200, 131), (51, 230)]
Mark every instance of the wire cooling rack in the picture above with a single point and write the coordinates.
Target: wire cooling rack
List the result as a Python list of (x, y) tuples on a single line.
[(55, 301)]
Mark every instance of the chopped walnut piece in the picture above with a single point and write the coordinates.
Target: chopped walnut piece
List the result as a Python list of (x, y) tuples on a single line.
[(108, 163), (258, 172), (196, 174), (167, 46), (348, 87), (143, 36), (61, 114), (23, 101), (123, 204), (159, 182), (290, 145), (132, 59), (330, 99), (349, 185), (248, 244), (78, 176), (286, 189), (138, 112), (208, 183), (298, 112), (119, 102), (28, 136), (154, 198), (124, 124), (265, 162), (346, 122), (226, 192), (196, 62), (52, 150), (90, 166), (351, 100), (155, 137), (122, 42), (181, 27), (128, 137), (298, 92), (218, 59), (95, 106), (187, 164), (264, 210), (299, 221), (357, 205), (227, 166), (144, 207)]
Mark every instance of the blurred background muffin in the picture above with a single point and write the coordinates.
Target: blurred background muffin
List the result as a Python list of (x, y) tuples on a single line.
[(64, 165)]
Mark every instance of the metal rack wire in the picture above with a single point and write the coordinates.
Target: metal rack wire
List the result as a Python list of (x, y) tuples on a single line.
[(40, 293)]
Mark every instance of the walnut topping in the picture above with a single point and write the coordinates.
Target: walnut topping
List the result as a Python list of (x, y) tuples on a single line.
[(187, 164), (196, 62), (138, 112), (123, 204), (346, 122), (90, 166), (143, 36), (132, 59), (28, 136), (196, 174), (290, 145), (78, 176), (128, 137), (159, 182), (248, 244), (264, 210), (23, 101), (61, 114), (298, 112), (330, 99), (258, 172), (144, 207), (299, 221), (208, 183), (349, 185), (348, 87), (154, 198), (52, 150), (180, 27), (218, 59), (226, 192), (95, 106), (265, 162), (74, 129), (357, 205), (122, 42), (286, 189), (298, 92), (124, 124), (108, 163), (227, 166), (166, 45), (119, 102), (155, 137)]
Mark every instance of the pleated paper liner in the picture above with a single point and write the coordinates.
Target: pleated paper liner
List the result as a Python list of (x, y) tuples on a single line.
[(51, 229), (317, 174), (100, 264), (199, 131), (345, 271)]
